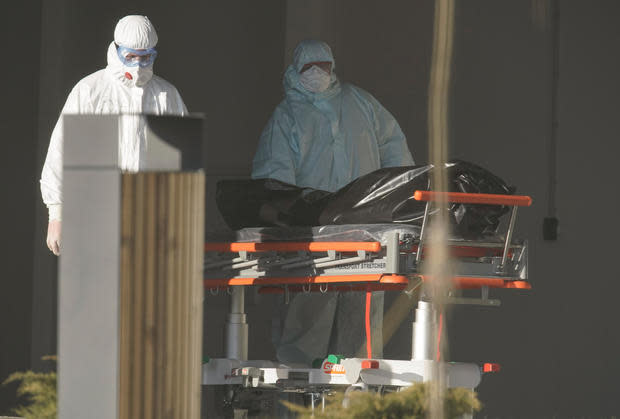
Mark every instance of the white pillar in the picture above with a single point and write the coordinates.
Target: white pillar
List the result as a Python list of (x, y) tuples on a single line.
[(89, 277)]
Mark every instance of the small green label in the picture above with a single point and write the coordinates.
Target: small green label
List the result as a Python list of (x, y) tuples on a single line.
[(335, 359)]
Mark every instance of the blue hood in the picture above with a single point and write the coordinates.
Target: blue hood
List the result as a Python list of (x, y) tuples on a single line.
[(306, 52)]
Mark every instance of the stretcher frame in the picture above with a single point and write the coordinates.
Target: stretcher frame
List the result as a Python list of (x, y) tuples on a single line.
[(288, 267)]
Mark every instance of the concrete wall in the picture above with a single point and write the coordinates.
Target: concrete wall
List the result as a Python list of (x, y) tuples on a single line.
[(557, 343), (18, 173)]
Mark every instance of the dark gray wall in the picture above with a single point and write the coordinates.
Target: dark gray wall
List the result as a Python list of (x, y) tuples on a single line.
[(18, 127), (557, 343)]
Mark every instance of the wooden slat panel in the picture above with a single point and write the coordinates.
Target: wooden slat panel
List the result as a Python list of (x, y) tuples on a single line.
[(127, 255), (160, 302), (149, 294), (178, 298), (186, 287), (170, 288), (137, 338), (161, 295), (198, 291)]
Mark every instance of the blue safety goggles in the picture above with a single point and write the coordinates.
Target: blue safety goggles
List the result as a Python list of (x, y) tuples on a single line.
[(135, 57)]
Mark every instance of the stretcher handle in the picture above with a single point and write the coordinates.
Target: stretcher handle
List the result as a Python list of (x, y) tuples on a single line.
[(293, 247), (473, 198)]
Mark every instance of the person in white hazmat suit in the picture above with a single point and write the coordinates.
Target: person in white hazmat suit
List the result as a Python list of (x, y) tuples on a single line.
[(127, 86), (323, 135)]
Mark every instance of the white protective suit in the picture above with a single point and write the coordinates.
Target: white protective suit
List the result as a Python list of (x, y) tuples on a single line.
[(110, 91)]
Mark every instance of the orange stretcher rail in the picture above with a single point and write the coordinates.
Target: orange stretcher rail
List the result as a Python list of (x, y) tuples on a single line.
[(293, 247), (304, 280), (460, 283), (391, 282), (464, 282), (473, 198), (334, 288), (473, 282)]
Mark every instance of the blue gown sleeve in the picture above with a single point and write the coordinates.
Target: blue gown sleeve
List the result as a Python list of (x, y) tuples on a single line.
[(275, 156)]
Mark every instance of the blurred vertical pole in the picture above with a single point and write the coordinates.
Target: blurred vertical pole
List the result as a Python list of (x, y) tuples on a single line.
[(437, 266)]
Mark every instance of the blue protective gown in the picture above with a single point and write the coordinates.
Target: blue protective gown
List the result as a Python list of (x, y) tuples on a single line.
[(324, 141)]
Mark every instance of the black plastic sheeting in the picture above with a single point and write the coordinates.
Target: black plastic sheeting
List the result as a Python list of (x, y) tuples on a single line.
[(383, 196)]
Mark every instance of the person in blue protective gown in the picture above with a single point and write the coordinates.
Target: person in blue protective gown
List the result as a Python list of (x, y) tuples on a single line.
[(323, 135)]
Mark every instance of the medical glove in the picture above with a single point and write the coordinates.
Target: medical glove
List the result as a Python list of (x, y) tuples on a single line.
[(53, 236)]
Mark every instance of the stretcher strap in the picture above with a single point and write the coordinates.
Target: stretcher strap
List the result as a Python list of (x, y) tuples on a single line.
[(439, 331), (368, 340)]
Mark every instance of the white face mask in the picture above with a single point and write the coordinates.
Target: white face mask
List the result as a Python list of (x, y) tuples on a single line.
[(139, 75), (315, 79)]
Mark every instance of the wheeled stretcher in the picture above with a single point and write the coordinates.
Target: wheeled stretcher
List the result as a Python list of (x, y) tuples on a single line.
[(358, 258)]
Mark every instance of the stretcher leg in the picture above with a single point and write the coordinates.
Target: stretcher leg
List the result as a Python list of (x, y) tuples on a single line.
[(236, 326), (423, 331)]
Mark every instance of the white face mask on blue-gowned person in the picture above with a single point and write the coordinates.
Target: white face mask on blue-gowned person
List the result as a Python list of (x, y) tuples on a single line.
[(315, 79)]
